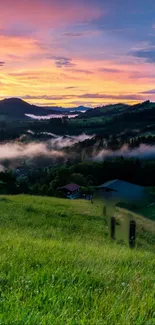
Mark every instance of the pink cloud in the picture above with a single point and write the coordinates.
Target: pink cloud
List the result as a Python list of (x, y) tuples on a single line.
[(46, 13), (18, 45)]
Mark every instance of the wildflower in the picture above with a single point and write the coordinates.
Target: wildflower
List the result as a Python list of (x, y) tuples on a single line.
[(123, 284)]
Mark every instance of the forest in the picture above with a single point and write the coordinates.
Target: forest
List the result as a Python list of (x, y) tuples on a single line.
[(45, 181)]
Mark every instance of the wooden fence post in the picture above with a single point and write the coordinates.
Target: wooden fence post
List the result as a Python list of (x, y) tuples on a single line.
[(132, 234), (112, 227)]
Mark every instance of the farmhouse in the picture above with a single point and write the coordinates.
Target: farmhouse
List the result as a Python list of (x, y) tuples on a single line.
[(72, 191), (118, 191)]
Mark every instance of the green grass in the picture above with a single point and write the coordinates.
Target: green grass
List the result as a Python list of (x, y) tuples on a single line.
[(58, 267), (146, 211)]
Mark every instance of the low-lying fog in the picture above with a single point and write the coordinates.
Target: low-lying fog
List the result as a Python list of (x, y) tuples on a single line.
[(55, 148), (48, 117)]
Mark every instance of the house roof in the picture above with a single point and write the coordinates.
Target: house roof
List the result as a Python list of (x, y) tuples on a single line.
[(71, 187), (123, 191), (117, 184), (109, 184)]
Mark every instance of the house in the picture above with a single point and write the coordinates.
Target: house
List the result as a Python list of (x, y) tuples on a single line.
[(118, 191), (72, 191)]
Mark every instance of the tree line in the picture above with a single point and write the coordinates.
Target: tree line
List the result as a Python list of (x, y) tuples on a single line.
[(45, 181)]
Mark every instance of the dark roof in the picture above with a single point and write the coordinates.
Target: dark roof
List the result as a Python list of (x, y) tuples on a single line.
[(117, 184), (109, 184), (123, 191), (70, 187)]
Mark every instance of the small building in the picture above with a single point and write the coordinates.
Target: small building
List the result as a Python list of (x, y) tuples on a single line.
[(72, 191), (118, 191)]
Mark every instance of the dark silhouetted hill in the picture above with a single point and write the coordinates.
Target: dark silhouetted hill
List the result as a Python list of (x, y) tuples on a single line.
[(17, 108)]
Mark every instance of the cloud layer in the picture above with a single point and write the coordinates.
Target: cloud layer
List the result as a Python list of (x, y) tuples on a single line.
[(96, 47)]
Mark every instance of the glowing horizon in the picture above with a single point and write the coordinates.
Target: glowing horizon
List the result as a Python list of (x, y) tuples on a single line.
[(69, 53)]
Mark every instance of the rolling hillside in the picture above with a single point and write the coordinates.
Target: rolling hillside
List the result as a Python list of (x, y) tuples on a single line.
[(117, 119), (117, 109), (58, 267), (106, 121), (16, 108)]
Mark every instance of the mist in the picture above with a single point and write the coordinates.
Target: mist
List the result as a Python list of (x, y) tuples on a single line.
[(2, 168), (50, 116), (142, 152), (60, 142), (14, 150), (54, 150)]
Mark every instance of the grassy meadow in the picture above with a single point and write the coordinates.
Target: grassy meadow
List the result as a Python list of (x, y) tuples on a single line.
[(57, 267)]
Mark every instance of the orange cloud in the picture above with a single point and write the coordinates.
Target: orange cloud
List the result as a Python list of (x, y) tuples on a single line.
[(18, 46), (46, 84)]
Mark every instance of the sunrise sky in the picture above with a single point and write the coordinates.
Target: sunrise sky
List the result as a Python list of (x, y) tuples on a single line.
[(70, 53)]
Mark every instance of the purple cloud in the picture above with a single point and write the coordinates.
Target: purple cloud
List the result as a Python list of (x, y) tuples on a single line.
[(82, 71), (73, 34), (61, 61), (147, 54), (108, 70), (142, 75), (117, 97), (148, 92), (45, 97), (83, 96), (17, 30)]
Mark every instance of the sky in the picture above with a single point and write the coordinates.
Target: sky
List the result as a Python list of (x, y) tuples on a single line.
[(70, 53)]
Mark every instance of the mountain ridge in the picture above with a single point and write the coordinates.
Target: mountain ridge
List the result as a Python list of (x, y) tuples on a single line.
[(17, 108)]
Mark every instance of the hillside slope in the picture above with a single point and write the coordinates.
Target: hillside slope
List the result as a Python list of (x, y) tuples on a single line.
[(58, 267), (117, 119), (16, 108)]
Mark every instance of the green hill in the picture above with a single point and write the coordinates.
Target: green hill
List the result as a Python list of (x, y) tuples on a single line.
[(117, 119), (58, 267)]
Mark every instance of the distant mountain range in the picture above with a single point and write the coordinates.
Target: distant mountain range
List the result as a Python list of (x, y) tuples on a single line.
[(16, 108), (68, 110)]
